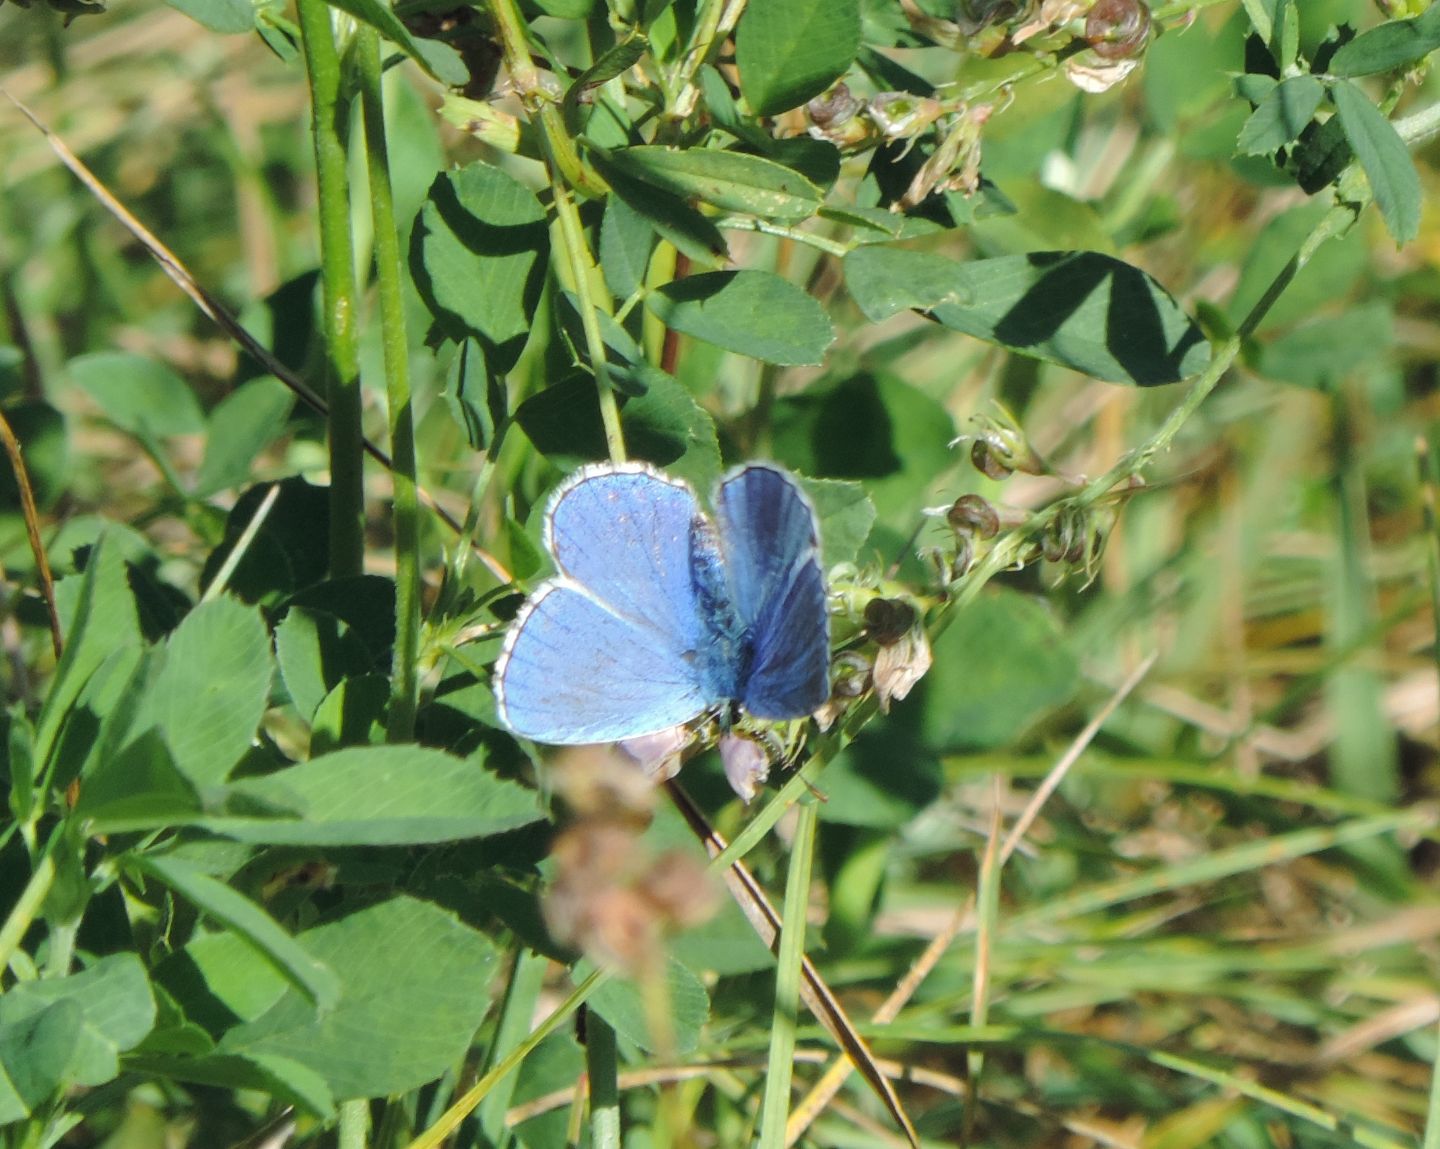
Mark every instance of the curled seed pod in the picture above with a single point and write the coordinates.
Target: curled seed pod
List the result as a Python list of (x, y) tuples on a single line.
[(888, 619), (833, 108), (972, 514), (989, 460), (1118, 29)]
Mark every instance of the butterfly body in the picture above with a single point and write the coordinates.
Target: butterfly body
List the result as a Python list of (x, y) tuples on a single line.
[(658, 614)]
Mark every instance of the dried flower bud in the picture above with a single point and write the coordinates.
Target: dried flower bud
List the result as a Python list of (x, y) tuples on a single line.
[(901, 115), (901, 665), (659, 754), (972, 514), (1118, 29), (833, 108), (973, 15), (887, 619), (747, 765)]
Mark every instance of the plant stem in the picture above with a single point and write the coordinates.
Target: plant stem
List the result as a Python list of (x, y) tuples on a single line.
[(329, 111), (602, 1070), (578, 255), (778, 1074), (31, 900), (403, 680), (354, 1125)]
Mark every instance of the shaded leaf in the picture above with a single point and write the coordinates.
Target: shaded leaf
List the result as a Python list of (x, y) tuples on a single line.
[(379, 795), (478, 253), (138, 395), (730, 181), (791, 50), (754, 313), (440, 60), (242, 425), (998, 668), (224, 16), (238, 913), (1083, 310), (620, 1002)]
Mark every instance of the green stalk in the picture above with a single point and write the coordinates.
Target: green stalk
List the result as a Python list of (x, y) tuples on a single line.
[(354, 1125), (388, 277), (578, 255), (31, 900), (781, 1062), (337, 268), (527, 980), (563, 165), (602, 1069), (1432, 1116)]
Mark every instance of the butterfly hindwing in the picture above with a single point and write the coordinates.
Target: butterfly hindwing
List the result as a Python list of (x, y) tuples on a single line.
[(572, 672), (771, 545)]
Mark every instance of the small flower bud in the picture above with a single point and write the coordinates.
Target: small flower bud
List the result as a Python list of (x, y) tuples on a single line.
[(747, 765)]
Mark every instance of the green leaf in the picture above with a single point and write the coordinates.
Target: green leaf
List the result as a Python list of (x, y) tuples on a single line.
[(626, 240), (36, 1049), (791, 50), (845, 514), (379, 796), (138, 395), (998, 668), (754, 313), (211, 691), (219, 979), (440, 60), (475, 395), (288, 552), (730, 181), (1281, 116), (616, 61), (1083, 310), (1392, 45), (138, 788), (316, 651), (239, 914), (286, 1080), (40, 429), (113, 1011), (98, 614), (416, 985), (242, 425), (668, 215), (877, 430), (620, 1002), (224, 16), (353, 714), (1324, 352), (664, 426), (478, 253), (1386, 160)]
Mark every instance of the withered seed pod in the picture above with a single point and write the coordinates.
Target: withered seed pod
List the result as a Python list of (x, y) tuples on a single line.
[(1118, 29)]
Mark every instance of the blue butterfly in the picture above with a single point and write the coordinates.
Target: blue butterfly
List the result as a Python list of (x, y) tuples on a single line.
[(659, 615)]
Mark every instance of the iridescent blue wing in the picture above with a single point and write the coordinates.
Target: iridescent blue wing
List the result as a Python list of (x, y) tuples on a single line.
[(772, 555), (572, 671), (606, 650), (623, 531)]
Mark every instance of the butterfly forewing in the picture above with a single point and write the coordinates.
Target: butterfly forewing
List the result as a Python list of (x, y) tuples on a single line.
[(623, 532), (771, 544)]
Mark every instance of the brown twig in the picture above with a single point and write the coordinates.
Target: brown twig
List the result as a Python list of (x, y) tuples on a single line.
[(32, 530)]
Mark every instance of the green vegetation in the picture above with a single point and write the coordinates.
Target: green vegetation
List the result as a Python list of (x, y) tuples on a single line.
[(1103, 337)]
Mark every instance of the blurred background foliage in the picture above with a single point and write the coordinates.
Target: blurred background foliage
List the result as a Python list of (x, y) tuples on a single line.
[(1224, 927)]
